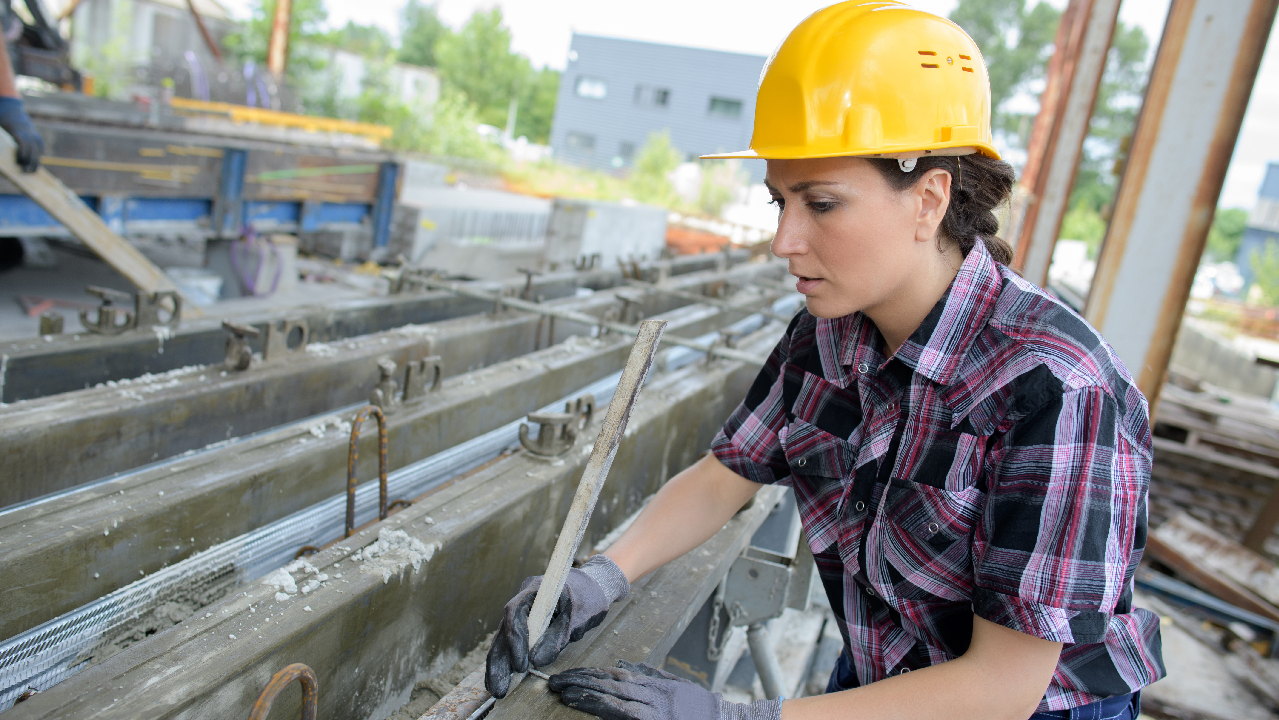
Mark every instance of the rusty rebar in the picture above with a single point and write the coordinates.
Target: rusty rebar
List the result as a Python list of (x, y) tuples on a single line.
[(354, 454), (281, 680)]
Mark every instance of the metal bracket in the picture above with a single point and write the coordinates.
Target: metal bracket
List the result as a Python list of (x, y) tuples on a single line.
[(386, 393), (527, 294), (586, 262), (610, 315), (632, 307), (730, 336), (422, 376), (147, 309), (51, 323), (105, 322), (557, 432), (759, 586), (238, 353), (285, 337)]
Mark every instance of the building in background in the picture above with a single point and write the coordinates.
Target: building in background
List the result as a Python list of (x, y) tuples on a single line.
[(412, 84), (615, 92), (1263, 223)]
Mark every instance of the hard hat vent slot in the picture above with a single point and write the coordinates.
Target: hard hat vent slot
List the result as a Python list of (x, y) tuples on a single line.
[(964, 57), (930, 52), (929, 65), (967, 69)]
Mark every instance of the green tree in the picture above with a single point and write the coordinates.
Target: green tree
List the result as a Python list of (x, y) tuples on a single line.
[(306, 37), (1226, 233), (648, 182), (369, 41), (478, 61), (537, 105), (1016, 43), (420, 32), (1265, 268), (1083, 222)]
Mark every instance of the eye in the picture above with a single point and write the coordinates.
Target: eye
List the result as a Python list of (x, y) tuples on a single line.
[(780, 203), (821, 206)]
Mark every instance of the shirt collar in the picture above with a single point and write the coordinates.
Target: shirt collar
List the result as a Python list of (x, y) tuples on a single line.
[(938, 346)]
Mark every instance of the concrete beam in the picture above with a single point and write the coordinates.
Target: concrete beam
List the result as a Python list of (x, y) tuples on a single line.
[(380, 623), (60, 554), (1199, 89), (53, 443), (35, 368)]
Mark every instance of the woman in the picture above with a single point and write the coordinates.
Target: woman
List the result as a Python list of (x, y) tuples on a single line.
[(970, 458)]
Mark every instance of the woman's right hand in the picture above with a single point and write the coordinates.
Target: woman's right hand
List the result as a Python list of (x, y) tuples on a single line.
[(588, 593)]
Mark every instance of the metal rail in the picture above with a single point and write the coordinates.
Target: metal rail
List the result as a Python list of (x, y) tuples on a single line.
[(578, 317), (695, 297)]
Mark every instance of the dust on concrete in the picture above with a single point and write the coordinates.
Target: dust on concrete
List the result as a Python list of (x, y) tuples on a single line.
[(392, 552), (428, 692)]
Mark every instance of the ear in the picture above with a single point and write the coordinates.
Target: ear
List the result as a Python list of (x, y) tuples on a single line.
[(933, 194)]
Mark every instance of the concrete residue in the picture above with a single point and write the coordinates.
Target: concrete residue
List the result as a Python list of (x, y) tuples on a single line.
[(153, 382), (286, 586), (391, 552), (317, 428), (321, 349), (162, 333)]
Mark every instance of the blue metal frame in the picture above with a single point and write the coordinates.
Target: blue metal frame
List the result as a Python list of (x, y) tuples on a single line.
[(388, 176)]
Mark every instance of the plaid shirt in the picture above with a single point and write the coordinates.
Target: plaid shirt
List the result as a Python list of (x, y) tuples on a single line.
[(996, 465)]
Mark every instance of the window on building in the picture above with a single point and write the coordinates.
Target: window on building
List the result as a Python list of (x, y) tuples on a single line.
[(725, 108), (652, 96), (594, 88), (625, 154), (580, 141)]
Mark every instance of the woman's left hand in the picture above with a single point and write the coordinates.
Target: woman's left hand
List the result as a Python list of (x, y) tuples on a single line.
[(642, 692)]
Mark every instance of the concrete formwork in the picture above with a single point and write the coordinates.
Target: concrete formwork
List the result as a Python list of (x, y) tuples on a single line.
[(36, 368), (384, 620), (50, 444), (62, 553)]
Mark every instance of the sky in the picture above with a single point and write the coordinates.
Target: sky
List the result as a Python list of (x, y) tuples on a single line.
[(541, 30)]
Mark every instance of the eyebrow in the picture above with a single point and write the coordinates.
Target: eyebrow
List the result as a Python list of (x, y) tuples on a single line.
[(801, 186)]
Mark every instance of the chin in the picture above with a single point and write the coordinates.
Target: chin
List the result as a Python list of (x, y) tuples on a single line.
[(826, 309)]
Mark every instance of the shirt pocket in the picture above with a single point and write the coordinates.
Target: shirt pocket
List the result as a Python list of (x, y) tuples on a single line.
[(925, 538), (819, 463)]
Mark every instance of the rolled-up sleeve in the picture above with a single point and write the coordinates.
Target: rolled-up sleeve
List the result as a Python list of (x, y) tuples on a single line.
[(1065, 519), (749, 444)]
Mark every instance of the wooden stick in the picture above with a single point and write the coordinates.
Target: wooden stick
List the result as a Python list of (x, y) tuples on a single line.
[(588, 490), (57, 199)]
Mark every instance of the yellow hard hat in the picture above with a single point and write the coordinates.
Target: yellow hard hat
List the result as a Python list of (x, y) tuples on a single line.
[(874, 79)]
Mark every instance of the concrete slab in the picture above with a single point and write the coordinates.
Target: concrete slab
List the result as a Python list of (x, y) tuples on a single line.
[(389, 610)]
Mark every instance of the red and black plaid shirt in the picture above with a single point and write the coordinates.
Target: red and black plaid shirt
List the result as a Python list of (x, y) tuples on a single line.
[(996, 465)]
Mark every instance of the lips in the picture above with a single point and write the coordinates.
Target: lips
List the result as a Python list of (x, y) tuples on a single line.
[(806, 285)]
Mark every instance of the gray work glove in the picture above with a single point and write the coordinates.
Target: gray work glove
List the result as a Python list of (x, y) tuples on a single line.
[(16, 122), (588, 591), (642, 692)]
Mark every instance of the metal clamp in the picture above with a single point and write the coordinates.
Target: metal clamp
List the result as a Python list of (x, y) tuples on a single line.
[(353, 454), (422, 376), (610, 315), (147, 309), (281, 680), (527, 293), (730, 337), (386, 393), (284, 337), (557, 432), (238, 353), (106, 321), (586, 262), (632, 311), (51, 323)]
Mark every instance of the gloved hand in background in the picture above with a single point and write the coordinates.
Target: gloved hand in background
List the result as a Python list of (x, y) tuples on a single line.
[(16, 122), (642, 692), (588, 591)]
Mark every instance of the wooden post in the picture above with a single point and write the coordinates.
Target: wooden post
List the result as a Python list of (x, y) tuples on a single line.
[(277, 49)]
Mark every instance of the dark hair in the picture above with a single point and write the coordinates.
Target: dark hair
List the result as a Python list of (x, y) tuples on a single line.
[(978, 185)]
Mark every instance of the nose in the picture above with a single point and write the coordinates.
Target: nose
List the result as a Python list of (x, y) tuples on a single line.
[(789, 240)]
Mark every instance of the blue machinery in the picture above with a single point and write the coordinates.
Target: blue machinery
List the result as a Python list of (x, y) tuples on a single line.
[(223, 215)]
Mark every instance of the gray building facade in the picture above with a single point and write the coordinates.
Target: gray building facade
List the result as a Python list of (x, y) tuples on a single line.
[(614, 93), (1263, 224)]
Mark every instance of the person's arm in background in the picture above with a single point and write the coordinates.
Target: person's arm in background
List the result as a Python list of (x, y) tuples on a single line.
[(14, 118)]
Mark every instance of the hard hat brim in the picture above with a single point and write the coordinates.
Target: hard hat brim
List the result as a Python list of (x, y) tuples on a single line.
[(804, 153)]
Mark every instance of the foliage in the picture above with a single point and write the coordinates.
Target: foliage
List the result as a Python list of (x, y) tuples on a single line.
[(649, 181), (537, 105), (1082, 222), (1265, 268), (1226, 233), (551, 179), (420, 32), (307, 35), (721, 179), (1016, 43), (478, 61), (369, 41), (112, 67)]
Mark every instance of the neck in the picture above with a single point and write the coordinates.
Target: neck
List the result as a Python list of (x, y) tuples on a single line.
[(900, 314)]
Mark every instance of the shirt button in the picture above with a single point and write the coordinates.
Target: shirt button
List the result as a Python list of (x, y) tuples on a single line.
[(859, 506), (863, 368), (801, 462), (933, 528), (870, 591), (904, 671)]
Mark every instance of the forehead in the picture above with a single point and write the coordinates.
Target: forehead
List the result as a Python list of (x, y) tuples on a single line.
[(783, 175)]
